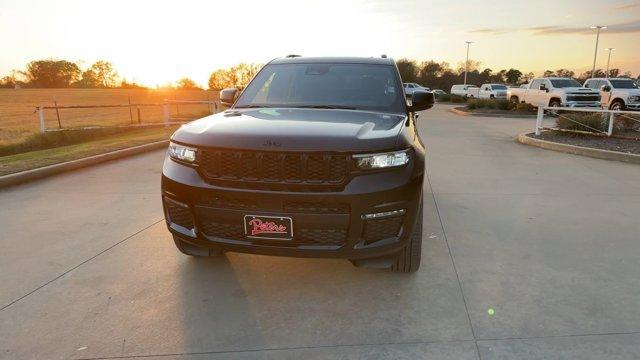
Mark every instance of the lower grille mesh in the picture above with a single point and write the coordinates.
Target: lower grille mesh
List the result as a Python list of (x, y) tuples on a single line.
[(379, 229), (303, 236), (321, 236), (179, 214)]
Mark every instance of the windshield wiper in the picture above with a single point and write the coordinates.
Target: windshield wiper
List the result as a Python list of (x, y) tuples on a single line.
[(325, 107)]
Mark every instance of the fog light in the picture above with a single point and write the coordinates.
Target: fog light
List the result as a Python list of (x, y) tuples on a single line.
[(381, 215)]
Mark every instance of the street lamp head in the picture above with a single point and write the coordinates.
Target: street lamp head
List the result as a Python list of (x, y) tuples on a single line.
[(598, 26), (610, 49), (469, 42)]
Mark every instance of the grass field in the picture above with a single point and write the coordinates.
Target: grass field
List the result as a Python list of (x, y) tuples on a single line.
[(97, 145), (18, 120)]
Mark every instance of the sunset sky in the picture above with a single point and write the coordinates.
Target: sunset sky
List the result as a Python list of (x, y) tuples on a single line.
[(155, 42)]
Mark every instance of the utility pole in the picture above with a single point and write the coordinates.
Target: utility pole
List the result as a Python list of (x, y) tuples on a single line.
[(608, 60), (595, 55), (466, 63)]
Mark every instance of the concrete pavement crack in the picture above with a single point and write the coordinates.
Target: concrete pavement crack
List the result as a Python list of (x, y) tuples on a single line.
[(453, 263), (78, 265)]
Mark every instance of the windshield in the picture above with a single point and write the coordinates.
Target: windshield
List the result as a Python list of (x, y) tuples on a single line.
[(565, 83), (623, 84), (326, 85), (498, 87)]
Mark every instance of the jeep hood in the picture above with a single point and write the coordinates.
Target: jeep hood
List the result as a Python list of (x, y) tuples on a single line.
[(294, 129)]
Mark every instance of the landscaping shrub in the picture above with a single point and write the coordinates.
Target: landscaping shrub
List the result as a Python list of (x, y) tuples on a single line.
[(489, 104), (582, 122), (626, 122), (525, 108), (457, 99)]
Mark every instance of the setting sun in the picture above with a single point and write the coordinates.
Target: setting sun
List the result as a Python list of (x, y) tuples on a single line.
[(193, 38)]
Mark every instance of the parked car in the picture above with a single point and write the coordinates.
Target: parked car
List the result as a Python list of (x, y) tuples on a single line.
[(465, 90), (493, 91), (409, 88), (616, 93), (316, 157), (556, 92), (438, 93)]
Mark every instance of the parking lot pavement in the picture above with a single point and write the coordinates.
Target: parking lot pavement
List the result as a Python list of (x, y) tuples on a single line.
[(546, 242)]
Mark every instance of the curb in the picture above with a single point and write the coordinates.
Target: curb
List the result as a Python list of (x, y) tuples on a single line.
[(46, 171), (461, 112), (579, 150)]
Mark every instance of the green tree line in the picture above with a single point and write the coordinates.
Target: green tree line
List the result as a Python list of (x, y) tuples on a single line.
[(440, 75), (50, 73)]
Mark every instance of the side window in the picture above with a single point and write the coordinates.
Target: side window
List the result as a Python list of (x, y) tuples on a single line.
[(488, 88), (535, 84), (591, 84), (547, 83)]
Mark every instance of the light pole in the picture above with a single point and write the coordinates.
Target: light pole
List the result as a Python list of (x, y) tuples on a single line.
[(608, 60), (466, 63), (598, 28)]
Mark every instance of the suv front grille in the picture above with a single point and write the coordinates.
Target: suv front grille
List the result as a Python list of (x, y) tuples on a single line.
[(273, 168)]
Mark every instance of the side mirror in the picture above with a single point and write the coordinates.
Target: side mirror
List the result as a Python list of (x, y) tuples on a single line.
[(421, 100), (228, 96), (543, 87), (605, 88)]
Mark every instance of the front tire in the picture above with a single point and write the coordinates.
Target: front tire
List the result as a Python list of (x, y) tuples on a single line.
[(194, 250), (555, 103), (617, 105), (514, 99), (408, 259)]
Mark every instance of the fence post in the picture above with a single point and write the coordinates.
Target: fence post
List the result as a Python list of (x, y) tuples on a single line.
[(41, 119), (165, 110), (57, 113), (610, 129), (539, 119), (130, 113)]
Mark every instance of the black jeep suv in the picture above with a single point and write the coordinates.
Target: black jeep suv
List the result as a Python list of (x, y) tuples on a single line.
[(316, 157)]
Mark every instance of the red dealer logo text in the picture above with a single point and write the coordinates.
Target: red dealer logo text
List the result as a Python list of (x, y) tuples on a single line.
[(266, 227)]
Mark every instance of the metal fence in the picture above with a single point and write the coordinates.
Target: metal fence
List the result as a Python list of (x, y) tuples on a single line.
[(134, 114), (608, 118)]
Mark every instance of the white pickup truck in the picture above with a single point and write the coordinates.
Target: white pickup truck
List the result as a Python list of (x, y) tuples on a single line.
[(469, 91), (493, 91), (555, 92), (616, 93)]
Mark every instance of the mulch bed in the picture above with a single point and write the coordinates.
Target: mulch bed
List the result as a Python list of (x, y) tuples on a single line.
[(625, 145)]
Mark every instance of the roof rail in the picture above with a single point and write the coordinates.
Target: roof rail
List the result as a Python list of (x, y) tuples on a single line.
[(293, 56), (384, 56)]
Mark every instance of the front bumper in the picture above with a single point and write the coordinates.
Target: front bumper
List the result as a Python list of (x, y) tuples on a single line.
[(326, 224), (576, 104), (632, 106)]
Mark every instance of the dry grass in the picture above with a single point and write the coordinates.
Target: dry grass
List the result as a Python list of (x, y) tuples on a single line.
[(18, 120), (35, 159)]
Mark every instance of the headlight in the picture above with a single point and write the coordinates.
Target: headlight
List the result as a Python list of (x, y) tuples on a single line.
[(182, 153), (634, 98), (383, 160)]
